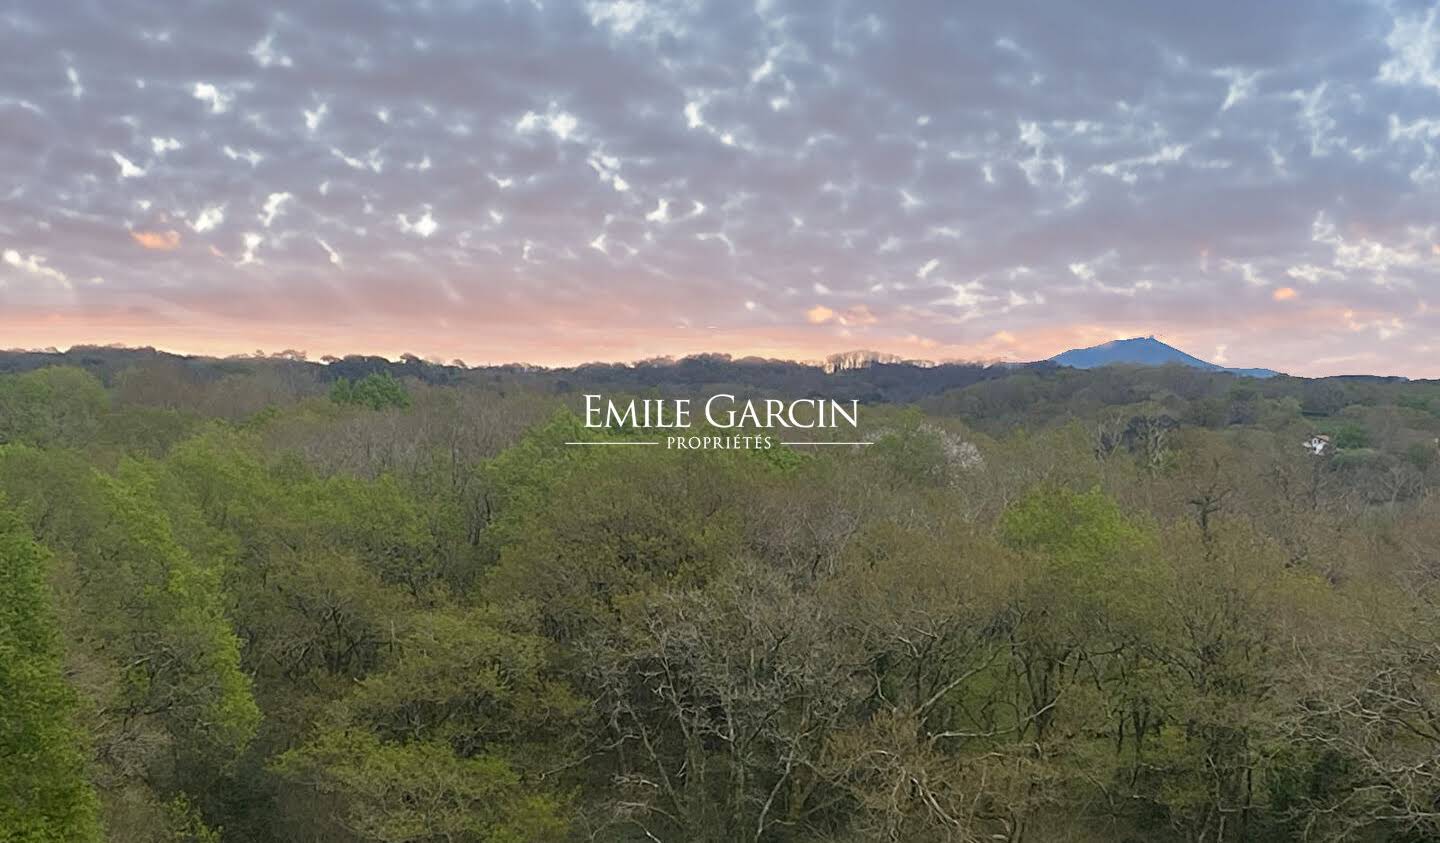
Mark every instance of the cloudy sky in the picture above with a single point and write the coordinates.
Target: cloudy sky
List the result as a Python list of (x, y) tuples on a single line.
[(555, 182)]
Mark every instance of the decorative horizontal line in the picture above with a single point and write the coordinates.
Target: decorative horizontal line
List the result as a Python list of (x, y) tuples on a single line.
[(657, 443)]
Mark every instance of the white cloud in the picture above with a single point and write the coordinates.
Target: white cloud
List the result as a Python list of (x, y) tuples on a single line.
[(1242, 86), (34, 265), (1312, 274), (128, 170), (929, 266), (1420, 129), (766, 68), (334, 255), (561, 124), (208, 218), (1016, 298), (661, 212), (621, 16), (608, 168), (1362, 253), (314, 116), (1316, 119), (718, 235), (76, 89), (967, 295), (273, 204), (1248, 272), (423, 226), (1008, 45), (160, 146), (1384, 329), (1038, 164), (1420, 133), (265, 54), (633, 18), (372, 160), (693, 117), (218, 100), (252, 243), (249, 156), (1414, 44), (1126, 168)]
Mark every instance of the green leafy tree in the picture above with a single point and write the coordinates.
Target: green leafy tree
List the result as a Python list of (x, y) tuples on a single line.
[(145, 624), (59, 405), (447, 743), (377, 390), (421, 792), (45, 796), (576, 529), (1352, 436)]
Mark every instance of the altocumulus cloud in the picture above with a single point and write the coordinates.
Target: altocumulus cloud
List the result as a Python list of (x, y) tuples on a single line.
[(558, 181)]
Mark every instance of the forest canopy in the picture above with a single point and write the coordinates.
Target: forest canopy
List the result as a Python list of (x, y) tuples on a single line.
[(268, 599)]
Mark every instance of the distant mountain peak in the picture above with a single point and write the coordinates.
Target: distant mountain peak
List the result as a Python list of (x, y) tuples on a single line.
[(1144, 351)]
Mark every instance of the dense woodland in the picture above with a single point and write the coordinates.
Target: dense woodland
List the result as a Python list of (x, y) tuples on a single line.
[(266, 599)]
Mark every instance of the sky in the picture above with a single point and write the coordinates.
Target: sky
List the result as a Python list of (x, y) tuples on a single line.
[(558, 182)]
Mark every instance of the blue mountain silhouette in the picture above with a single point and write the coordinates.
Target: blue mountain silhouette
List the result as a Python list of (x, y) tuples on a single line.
[(1145, 351)]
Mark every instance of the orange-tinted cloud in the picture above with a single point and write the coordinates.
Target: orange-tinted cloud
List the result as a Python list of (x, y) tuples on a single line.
[(857, 315), (164, 241), (819, 314), (1284, 294)]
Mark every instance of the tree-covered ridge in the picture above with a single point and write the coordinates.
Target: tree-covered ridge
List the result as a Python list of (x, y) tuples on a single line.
[(1044, 606)]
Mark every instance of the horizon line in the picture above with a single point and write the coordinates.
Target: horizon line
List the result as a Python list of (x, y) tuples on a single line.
[(302, 356), (868, 356)]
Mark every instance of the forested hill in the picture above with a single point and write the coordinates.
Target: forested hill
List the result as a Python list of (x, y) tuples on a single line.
[(257, 600), (860, 375)]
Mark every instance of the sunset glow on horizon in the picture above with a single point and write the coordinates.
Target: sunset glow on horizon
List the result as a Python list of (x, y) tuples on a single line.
[(1257, 184)]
